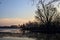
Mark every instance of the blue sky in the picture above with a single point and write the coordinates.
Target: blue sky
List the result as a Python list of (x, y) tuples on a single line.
[(14, 12), (16, 9)]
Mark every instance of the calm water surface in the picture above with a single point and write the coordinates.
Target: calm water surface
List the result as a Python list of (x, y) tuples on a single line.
[(16, 38)]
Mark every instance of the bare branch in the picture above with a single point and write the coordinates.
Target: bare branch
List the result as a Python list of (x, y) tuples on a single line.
[(48, 10), (52, 14), (52, 2)]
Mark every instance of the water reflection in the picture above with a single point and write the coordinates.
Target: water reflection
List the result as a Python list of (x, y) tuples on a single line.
[(10, 30), (29, 36), (16, 38)]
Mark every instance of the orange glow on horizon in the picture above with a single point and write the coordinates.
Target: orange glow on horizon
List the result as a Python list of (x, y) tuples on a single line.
[(13, 21)]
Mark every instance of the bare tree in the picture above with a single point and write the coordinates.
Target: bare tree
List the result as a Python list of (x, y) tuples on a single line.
[(46, 10)]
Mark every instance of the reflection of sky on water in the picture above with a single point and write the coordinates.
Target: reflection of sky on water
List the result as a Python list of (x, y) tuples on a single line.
[(16, 38), (10, 30)]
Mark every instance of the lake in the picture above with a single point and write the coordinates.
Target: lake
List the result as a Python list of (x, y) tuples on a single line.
[(12, 30), (16, 38)]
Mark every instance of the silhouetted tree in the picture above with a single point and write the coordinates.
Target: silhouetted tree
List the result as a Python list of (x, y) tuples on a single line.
[(45, 14), (46, 10), (47, 17)]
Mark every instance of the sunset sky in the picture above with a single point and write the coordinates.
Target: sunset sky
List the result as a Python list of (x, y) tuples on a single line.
[(14, 12)]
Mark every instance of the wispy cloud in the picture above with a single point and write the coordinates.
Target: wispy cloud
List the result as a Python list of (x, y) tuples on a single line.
[(13, 21)]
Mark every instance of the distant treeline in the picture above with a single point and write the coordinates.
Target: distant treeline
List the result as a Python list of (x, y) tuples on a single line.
[(51, 28), (12, 26), (34, 27)]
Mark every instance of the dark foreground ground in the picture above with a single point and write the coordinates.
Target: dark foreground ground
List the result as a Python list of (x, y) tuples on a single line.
[(39, 36)]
